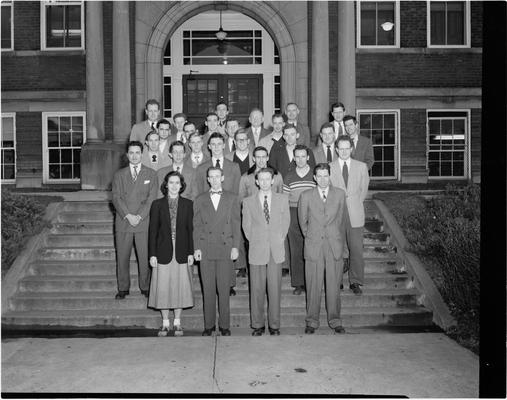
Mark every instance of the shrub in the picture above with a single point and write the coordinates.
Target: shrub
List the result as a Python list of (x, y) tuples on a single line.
[(21, 217)]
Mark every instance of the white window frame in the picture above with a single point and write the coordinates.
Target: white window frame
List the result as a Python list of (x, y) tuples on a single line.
[(468, 164), (43, 22), (397, 141), (11, 5), (45, 147), (447, 46), (13, 116), (396, 26)]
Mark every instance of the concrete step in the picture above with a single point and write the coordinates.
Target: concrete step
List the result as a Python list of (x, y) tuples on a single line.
[(88, 206), (193, 319), (105, 227), (100, 283), (108, 267), (85, 216), (105, 300)]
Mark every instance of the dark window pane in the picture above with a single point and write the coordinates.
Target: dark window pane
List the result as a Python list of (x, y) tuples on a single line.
[(376, 170), (54, 171), (258, 47), (433, 156), (77, 171), (77, 124), (8, 156), (437, 21), (455, 23), (385, 14), (54, 156), (77, 138), (76, 155), (446, 128), (458, 169), (388, 153), (377, 153), (66, 170), (167, 97), (66, 156), (389, 136), (376, 136), (365, 121), (53, 124), (186, 48), (388, 168), (434, 169), (53, 139), (6, 27), (459, 156), (376, 121), (368, 23), (389, 121), (65, 139), (446, 168), (9, 172), (167, 80), (186, 34)]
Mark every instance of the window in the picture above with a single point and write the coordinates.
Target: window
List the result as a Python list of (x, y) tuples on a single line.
[(8, 142), (7, 26), (62, 25), (276, 93), (448, 144), (378, 24), (382, 128), (64, 135), (448, 24), (167, 97), (240, 47)]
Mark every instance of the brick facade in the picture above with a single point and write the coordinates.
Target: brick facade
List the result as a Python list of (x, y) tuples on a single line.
[(29, 142)]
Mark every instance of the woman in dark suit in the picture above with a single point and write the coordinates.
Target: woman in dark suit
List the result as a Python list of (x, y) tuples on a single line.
[(171, 248)]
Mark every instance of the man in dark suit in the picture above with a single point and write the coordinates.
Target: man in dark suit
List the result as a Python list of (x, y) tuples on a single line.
[(352, 176), (180, 120), (231, 127), (362, 149), (266, 221), (256, 130), (141, 129), (134, 189), (230, 169), (324, 151), (320, 212), (217, 234), (338, 112), (292, 113)]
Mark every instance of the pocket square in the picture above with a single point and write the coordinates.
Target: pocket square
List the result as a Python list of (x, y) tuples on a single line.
[(146, 182)]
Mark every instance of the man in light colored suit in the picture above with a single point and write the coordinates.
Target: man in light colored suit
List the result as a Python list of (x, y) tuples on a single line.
[(164, 131), (320, 212), (195, 141), (134, 189), (177, 154), (141, 129), (152, 157), (362, 148), (217, 232), (256, 130), (266, 221), (292, 113), (352, 176), (324, 152)]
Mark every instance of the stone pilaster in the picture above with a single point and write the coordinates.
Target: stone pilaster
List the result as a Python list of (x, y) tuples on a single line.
[(346, 56)]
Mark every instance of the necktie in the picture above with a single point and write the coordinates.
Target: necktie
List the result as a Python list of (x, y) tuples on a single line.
[(134, 177), (266, 209), (340, 130), (178, 169), (233, 146), (196, 159), (153, 126), (217, 163), (329, 156), (324, 198), (353, 147), (345, 173)]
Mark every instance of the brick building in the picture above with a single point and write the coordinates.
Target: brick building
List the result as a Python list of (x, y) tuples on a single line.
[(76, 75)]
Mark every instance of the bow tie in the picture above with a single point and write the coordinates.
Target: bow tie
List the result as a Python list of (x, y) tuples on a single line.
[(219, 192)]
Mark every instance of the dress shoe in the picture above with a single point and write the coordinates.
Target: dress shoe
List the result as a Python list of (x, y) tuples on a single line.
[(356, 289), (224, 331), (275, 332), (341, 286), (178, 330), (232, 292), (285, 272), (346, 265), (309, 330), (298, 290), (121, 295), (208, 332), (145, 293), (163, 331), (242, 273), (339, 329), (258, 331)]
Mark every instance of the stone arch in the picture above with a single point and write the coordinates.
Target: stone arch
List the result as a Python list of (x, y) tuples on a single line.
[(150, 54)]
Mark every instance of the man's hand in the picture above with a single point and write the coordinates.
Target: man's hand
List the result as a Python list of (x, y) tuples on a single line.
[(234, 253), (198, 255), (153, 261), (133, 219), (190, 260)]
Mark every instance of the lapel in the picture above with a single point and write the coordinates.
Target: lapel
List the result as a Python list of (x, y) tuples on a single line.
[(258, 207), (317, 200)]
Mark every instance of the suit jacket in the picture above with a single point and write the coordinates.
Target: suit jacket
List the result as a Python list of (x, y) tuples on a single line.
[(248, 187), (231, 176), (264, 132), (321, 221), (133, 197), (189, 176), (304, 134), (268, 143), (163, 160), (191, 164), (263, 238), (172, 138), (217, 232), (364, 151), (321, 156), (160, 242), (356, 190), (279, 159), (140, 130)]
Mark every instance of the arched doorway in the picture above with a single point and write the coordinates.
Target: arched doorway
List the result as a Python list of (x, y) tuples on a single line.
[(199, 71)]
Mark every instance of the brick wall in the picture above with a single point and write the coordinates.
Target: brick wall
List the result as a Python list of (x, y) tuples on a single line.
[(418, 70), (29, 142), (475, 141), (412, 24), (26, 25), (108, 68), (476, 11), (413, 138)]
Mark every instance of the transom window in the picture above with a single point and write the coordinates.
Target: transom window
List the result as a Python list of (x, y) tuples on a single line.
[(62, 25), (8, 147), (378, 24), (448, 24), (240, 47), (447, 144), (382, 128), (64, 136), (7, 26)]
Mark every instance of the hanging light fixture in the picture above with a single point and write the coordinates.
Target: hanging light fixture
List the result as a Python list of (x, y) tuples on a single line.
[(387, 26), (221, 34)]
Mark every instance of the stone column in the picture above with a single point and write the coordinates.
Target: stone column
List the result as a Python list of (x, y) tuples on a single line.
[(346, 56), (94, 72), (121, 73), (320, 66)]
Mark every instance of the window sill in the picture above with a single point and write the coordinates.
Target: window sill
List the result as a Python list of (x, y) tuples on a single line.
[(34, 53), (420, 50)]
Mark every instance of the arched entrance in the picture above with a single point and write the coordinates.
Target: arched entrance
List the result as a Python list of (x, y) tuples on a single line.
[(153, 36)]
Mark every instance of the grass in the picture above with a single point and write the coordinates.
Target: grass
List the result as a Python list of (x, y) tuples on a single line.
[(22, 218), (427, 225)]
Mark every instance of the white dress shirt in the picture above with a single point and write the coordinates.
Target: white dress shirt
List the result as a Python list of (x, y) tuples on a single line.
[(215, 199)]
